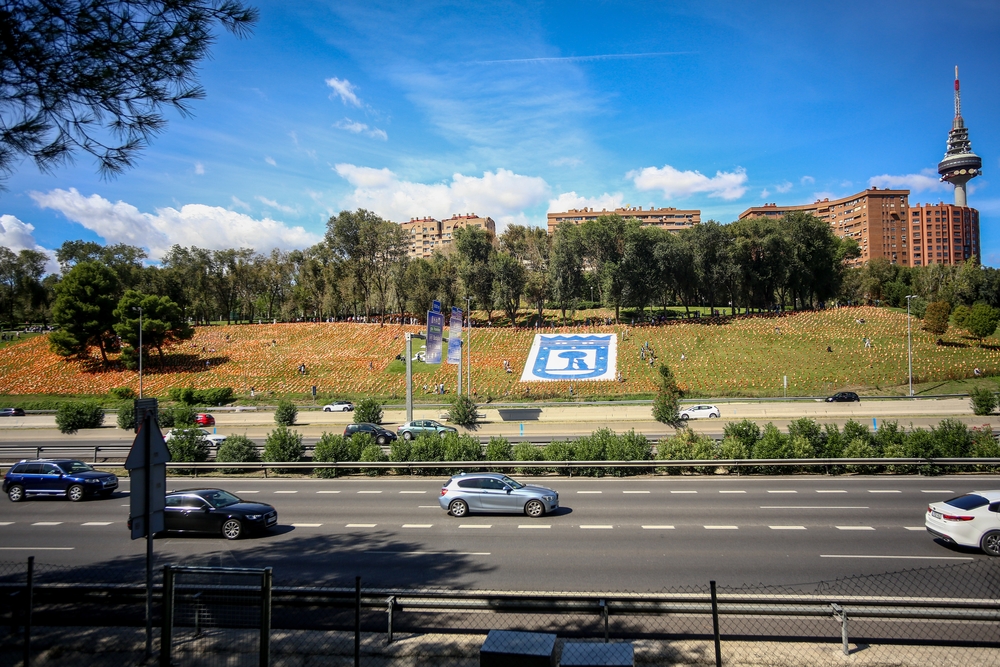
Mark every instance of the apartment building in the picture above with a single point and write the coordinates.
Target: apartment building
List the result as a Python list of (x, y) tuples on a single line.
[(670, 219), (427, 234), (943, 234)]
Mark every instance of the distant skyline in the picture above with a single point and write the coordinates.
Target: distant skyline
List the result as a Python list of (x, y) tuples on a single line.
[(511, 110)]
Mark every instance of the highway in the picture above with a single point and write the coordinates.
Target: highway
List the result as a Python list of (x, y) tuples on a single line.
[(632, 534)]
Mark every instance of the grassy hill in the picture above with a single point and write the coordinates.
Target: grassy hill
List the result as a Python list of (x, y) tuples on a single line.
[(739, 357)]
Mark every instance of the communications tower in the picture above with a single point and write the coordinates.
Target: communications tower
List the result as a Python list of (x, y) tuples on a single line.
[(960, 165)]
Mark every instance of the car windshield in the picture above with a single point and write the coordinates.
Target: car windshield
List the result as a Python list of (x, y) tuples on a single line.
[(967, 502), (73, 467), (511, 483), (220, 498)]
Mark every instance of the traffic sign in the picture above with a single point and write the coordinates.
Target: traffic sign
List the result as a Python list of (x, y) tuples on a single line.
[(147, 468)]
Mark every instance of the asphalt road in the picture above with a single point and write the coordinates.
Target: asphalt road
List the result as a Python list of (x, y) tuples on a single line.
[(634, 534)]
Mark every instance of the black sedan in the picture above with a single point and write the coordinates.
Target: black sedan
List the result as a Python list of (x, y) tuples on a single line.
[(11, 412), (215, 511), (844, 397)]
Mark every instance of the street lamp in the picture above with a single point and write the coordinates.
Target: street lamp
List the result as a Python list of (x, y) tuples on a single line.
[(139, 308), (468, 345), (909, 341)]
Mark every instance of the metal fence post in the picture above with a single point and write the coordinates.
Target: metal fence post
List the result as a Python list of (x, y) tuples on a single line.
[(715, 624), (27, 616), (841, 614), (357, 621), (265, 618), (392, 605), (604, 613), (166, 632)]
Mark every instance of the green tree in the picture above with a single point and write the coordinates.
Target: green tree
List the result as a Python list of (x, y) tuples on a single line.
[(286, 413), (666, 404), (283, 445), (95, 76), (984, 400), (162, 322), (23, 295), (936, 317), (71, 417), (566, 265), (960, 315), (509, 279), (464, 412), (84, 310), (368, 411), (982, 321), (474, 248)]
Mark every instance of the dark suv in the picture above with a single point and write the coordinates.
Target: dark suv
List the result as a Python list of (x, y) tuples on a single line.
[(57, 477), (381, 435), (844, 397), (11, 412)]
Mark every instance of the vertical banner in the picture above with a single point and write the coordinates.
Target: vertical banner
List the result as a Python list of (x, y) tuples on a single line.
[(435, 332), (455, 336)]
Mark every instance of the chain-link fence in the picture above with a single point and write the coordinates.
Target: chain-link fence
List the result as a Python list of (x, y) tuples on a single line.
[(943, 615)]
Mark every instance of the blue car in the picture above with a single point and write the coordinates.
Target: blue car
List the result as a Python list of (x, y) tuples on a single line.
[(57, 477)]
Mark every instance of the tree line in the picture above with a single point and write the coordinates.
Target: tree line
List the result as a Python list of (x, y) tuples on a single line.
[(361, 269)]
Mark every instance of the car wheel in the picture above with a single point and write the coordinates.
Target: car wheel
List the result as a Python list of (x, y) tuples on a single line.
[(685, 417), (16, 493), (991, 543), (407, 435), (380, 440), (458, 508), (232, 529), (327, 410), (75, 493), (534, 508), (714, 415)]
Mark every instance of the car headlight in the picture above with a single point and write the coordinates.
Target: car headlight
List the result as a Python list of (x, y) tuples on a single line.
[(253, 517), (93, 481), (549, 498)]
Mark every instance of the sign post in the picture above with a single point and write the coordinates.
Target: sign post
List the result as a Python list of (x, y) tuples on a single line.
[(455, 343), (147, 468), (435, 334)]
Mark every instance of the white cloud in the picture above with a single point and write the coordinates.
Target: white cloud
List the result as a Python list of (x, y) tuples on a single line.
[(359, 128), (270, 160), (927, 179), (270, 203), (566, 162), (568, 201), (239, 203), (675, 183), (765, 193), (807, 180), (204, 226), (820, 196), (199, 168), (17, 236), (345, 90), (783, 187), (496, 194)]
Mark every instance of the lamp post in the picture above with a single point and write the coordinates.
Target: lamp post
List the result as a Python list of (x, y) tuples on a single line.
[(139, 308), (468, 345), (909, 341)]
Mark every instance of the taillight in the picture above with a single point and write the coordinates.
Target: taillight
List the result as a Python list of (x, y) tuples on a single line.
[(929, 509), (957, 517), (444, 490)]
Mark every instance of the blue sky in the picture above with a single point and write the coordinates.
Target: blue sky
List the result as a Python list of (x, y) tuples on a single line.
[(514, 109)]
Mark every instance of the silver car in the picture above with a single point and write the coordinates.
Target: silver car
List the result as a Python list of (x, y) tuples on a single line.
[(493, 492)]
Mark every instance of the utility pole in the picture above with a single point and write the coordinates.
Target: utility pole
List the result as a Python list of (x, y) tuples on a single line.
[(909, 341), (139, 308), (468, 346)]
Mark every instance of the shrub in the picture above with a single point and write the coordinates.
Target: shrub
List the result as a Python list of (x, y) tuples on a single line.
[(400, 450), (588, 448), (282, 445), (286, 413), (936, 317), (71, 417), (984, 446), (811, 431), (859, 448), (525, 451), (984, 401), (126, 417), (165, 418), (122, 393), (373, 454), (330, 448), (746, 432), (772, 445), (464, 412), (179, 416), (192, 396), (982, 320), (461, 448), (499, 449), (628, 447), (187, 446), (686, 446), (558, 450), (888, 436), (368, 411), (667, 402), (960, 315), (951, 439), (834, 442), (237, 449), (426, 447)]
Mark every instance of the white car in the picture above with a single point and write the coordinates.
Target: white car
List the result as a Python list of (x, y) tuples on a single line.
[(971, 520), (214, 438), (700, 412), (339, 406)]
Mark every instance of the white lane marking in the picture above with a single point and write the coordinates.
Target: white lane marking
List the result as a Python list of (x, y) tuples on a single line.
[(590, 492), (286, 491), (635, 491), (328, 492), (732, 491), (245, 492), (369, 492), (657, 527), (594, 527), (425, 507), (361, 525), (6, 523), (97, 523), (417, 525), (787, 527), (915, 527), (783, 491), (722, 527), (813, 507), (476, 525), (883, 491), (854, 528), (413, 492), (37, 548), (47, 523), (126, 505), (831, 491), (429, 553), (683, 492), (936, 491), (533, 525), (895, 557), (306, 525)]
